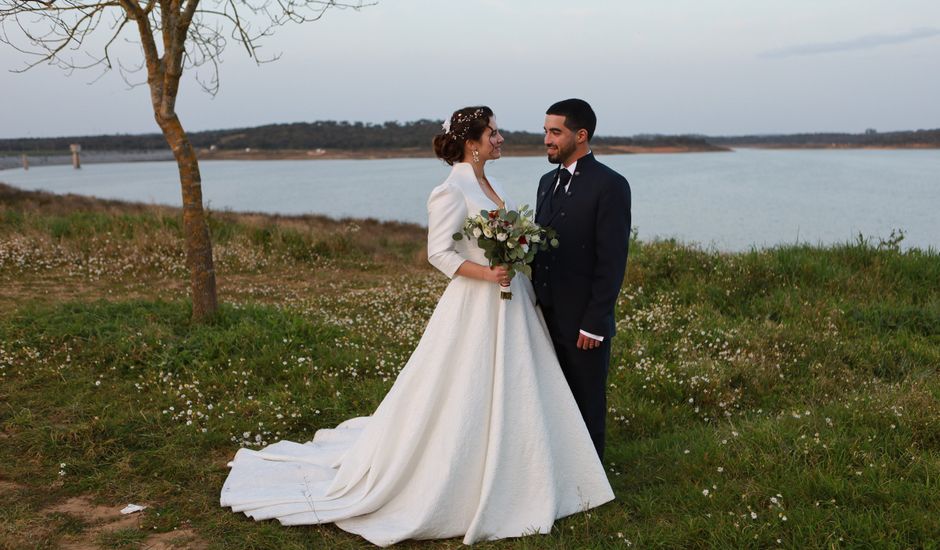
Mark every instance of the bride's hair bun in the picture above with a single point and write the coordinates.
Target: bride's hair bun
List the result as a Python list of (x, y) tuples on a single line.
[(465, 124)]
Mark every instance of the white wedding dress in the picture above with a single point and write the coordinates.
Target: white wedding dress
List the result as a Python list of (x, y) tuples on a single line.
[(478, 437)]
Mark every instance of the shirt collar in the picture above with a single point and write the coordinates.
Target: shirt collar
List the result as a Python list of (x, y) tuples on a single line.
[(571, 167)]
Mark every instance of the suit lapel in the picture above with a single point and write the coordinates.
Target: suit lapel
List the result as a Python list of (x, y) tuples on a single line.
[(584, 164), (544, 193), (577, 182)]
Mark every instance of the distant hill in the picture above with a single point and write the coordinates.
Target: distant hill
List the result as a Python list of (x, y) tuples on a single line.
[(870, 138), (352, 136)]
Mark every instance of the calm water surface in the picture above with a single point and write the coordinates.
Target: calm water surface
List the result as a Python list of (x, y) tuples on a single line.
[(726, 201)]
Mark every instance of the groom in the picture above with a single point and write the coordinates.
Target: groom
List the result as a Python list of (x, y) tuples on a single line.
[(577, 284)]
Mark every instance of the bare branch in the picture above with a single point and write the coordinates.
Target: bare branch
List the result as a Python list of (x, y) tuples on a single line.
[(192, 33), (126, 72)]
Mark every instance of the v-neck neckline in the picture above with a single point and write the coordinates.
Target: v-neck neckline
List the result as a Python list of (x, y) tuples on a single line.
[(479, 186), (500, 204)]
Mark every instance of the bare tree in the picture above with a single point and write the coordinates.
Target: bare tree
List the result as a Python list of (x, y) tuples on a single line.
[(174, 35)]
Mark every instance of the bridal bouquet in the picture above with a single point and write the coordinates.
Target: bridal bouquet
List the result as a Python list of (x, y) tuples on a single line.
[(510, 238)]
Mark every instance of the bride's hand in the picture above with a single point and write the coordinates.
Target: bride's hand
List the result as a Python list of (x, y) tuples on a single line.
[(497, 274)]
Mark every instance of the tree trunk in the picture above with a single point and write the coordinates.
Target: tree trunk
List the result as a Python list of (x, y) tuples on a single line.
[(195, 229)]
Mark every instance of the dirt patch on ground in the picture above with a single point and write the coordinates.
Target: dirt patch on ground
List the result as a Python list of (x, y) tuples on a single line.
[(9, 487), (101, 519), (105, 519), (85, 510), (181, 538)]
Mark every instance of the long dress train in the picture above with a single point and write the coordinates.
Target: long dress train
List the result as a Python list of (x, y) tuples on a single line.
[(479, 435)]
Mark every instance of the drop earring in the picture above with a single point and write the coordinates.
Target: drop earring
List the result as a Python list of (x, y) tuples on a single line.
[(476, 156)]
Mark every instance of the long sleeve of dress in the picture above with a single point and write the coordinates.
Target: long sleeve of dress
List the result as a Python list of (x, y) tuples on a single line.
[(447, 211)]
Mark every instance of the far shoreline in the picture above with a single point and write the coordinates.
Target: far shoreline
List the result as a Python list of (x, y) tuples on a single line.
[(13, 161), (834, 146), (415, 152)]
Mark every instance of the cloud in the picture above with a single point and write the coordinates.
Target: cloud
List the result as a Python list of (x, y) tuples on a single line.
[(860, 43)]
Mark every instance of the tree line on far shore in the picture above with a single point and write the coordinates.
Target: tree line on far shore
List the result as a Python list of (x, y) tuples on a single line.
[(869, 138), (327, 134), (330, 134)]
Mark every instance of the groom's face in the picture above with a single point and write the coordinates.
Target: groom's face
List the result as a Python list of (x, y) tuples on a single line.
[(560, 141)]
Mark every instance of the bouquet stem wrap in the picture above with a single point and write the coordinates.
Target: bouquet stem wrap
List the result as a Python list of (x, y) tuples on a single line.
[(504, 292)]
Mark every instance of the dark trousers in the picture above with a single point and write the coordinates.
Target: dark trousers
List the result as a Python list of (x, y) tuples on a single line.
[(586, 373)]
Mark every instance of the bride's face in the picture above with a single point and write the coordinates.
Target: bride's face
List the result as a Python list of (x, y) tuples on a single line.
[(491, 142)]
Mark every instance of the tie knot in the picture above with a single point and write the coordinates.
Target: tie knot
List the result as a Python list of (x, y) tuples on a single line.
[(564, 177)]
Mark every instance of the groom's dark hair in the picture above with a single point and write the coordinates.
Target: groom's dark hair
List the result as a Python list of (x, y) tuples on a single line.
[(578, 115)]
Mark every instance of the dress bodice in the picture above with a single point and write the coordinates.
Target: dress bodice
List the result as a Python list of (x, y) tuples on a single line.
[(449, 206)]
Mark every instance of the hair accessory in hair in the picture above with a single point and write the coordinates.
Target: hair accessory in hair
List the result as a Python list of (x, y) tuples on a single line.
[(462, 121)]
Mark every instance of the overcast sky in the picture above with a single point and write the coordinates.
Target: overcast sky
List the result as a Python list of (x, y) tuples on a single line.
[(674, 66)]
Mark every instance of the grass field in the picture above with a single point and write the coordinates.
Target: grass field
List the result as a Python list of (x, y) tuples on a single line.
[(786, 397)]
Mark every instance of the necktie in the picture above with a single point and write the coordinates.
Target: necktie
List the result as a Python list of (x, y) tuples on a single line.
[(564, 177)]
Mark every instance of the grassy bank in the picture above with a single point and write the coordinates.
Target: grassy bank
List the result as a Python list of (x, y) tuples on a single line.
[(784, 397)]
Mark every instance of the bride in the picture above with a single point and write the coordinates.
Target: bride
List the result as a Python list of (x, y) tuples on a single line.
[(478, 437)]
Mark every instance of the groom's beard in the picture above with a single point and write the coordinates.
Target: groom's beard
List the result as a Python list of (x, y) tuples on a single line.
[(561, 154)]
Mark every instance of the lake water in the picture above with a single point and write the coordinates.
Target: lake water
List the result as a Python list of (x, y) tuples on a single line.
[(726, 201)]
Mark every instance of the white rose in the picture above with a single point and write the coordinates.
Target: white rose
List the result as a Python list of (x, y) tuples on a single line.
[(488, 232), (477, 232), (510, 244), (502, 237), (535, 238)]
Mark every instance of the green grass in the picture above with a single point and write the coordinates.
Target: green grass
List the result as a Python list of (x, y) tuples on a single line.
[(785, 397)]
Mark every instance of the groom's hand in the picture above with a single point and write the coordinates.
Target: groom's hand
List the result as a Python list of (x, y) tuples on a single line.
[(586, 342)]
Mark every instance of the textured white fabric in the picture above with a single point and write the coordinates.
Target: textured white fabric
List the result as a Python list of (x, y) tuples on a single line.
[(478, 437)]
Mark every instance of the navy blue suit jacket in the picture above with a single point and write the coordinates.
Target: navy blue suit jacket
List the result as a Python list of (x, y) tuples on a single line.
[(581, 279)]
